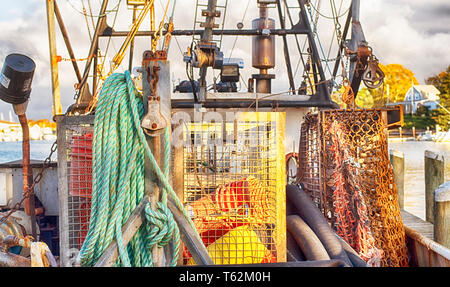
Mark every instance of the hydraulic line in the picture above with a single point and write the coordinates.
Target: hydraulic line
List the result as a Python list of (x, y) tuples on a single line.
[(314, 218)]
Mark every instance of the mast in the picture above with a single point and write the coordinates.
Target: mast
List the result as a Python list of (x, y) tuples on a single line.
[(56, 94)]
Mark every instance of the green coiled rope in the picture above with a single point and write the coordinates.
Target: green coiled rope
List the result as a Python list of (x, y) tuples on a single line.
[(119, 149)]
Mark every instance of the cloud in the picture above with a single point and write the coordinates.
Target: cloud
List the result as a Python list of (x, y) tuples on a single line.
[(413, 33)]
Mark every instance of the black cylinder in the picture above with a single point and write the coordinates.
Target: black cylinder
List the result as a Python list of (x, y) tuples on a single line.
[(316, 221), (15, 79)]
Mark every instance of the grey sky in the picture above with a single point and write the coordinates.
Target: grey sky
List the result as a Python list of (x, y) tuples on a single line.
[(413, 33)]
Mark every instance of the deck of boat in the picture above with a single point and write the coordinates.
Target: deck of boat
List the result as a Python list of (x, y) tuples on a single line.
[(422, 227), (423, 250)]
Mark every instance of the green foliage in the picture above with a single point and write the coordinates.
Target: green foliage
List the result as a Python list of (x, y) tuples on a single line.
[(442, 83), (399, 80), (336, 96), (419, 122), (364, 99)]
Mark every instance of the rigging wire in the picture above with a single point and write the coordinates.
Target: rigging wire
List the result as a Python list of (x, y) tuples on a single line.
[(90, 11), (337, 25), (320, 43), (95, 16), (328, 17), (87, 20), (107, 47), (237, 36)]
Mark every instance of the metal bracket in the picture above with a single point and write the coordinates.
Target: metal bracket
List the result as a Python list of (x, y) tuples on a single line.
[(153, 122)]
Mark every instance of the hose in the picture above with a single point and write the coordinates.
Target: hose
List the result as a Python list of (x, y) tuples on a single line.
[(319, 263), (317, 222), (306, 239), (293, 252), (119, 148), (352, 254)]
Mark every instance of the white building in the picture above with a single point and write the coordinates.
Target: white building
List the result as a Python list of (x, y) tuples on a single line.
[(421, 95)]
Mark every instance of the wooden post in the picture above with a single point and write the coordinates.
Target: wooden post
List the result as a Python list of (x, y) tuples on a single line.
[(434, 177), (129, 229), (442, 215), (56, 95), (163, 91), (178, 176), (152, 188), (400, 132), (130, 63), (398, 164), (414, 132)]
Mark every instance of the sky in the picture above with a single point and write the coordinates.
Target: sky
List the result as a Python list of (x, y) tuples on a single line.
[(414, 33)]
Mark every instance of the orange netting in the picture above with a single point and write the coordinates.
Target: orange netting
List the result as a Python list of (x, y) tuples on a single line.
[(345, 168)]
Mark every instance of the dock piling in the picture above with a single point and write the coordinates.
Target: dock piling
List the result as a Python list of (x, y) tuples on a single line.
[(442, 215), (397, 159), (434, 177)]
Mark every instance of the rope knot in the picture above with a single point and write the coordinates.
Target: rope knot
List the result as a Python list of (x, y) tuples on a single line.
[(161, 223)]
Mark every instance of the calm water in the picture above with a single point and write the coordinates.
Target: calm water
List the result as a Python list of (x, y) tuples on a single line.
[(414, 171), (11, 151), (414, 165)]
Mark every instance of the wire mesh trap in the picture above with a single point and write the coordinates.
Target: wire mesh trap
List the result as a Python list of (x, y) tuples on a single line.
[(75, 136), (234, 182), (345, 167)]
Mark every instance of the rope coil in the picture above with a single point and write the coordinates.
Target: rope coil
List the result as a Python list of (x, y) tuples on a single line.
[(119, 149)]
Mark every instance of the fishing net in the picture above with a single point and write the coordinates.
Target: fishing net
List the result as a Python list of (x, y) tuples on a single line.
[(344, 166)]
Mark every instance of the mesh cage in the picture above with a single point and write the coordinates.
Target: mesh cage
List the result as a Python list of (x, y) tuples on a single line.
[(345, 168), (234, 182), (234, 189), (74, 183)]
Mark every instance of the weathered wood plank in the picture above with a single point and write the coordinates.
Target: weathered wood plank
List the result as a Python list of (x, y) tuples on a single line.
[(442, 214), (434, 177), (193, 244), (422, 227), (132, 225)]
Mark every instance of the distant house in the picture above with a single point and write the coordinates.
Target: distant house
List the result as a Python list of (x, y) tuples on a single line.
[(420, 95)]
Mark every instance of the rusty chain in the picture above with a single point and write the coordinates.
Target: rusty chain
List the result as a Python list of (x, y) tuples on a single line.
[(30, 191)]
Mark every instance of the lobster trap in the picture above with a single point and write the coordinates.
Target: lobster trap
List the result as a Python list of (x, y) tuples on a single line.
[(75, 134), (345, 168), (234, 187)]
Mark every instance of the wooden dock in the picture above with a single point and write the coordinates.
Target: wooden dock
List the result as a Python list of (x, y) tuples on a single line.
[(423, 250), (421, 226)]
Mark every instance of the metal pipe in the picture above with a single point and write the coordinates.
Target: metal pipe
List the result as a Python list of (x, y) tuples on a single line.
[(56, 93), (94, 76), (308, 242), (355, 9), (12, 260), (63, 29), (247, 104), (28, 202), (130, 63), (287, 57), (315, 219), (206, 38), (227, 32), (94, 44)]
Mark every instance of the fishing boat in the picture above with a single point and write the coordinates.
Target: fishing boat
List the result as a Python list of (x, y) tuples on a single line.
[(214, 169)]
